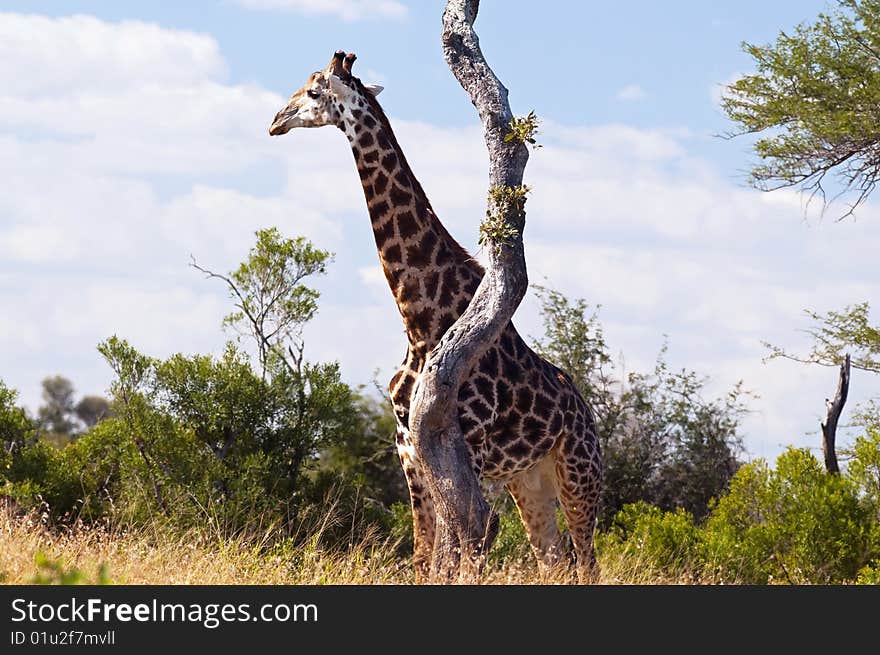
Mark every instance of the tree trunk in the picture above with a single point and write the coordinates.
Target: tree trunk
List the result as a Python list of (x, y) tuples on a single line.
[(464, 527), (834, 408)]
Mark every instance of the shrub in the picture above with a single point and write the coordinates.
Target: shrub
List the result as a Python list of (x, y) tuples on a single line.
[(870, 574), (668, 543), (794, 524), (511, 543), (55, 572)]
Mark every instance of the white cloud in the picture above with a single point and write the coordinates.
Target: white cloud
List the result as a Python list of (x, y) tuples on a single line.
[(83, 52), (193, 126), (372, 76), (716, 91), (367, 338), (112, 182), (616, 143), (349, 10), (631, 93), (216, 225), (373, 277)]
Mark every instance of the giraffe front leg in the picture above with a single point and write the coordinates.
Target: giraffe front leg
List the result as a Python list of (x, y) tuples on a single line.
[(421, 503)]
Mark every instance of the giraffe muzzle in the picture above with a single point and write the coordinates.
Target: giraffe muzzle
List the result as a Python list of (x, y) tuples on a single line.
[(283, 122)]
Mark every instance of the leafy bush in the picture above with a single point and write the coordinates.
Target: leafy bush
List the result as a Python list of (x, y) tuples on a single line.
[(55, 572), (793, 524), (870, 574), (198, 440), (668, 543), (511, 543), (240, 446)]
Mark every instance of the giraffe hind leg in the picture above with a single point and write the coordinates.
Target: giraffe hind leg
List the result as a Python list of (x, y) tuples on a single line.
[(579, 481), (534, 492), (421, 504)]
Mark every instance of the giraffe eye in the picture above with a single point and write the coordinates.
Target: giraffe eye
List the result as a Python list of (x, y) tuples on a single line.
[(313, 93)]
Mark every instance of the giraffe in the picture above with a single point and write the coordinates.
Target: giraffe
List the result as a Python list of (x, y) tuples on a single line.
[(526, 425)]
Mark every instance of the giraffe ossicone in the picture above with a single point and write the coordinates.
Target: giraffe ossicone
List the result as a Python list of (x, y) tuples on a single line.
[(525, 423)]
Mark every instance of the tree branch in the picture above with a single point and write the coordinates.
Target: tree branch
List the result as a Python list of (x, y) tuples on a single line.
[(461, 49), (834, 409), (263, 343)]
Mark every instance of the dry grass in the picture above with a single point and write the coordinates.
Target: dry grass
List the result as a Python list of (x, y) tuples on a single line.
[(160, 556)]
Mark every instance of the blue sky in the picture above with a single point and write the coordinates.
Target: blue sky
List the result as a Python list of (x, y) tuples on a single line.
[(133, 134)]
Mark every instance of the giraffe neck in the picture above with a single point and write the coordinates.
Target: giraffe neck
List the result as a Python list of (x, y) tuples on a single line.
[(431, 276)]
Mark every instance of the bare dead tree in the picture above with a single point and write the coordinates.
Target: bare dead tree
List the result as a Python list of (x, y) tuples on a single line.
[(465, 526), (834, 409)]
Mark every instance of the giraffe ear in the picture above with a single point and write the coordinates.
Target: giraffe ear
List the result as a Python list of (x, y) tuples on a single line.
[(338, 87), (373, 89)]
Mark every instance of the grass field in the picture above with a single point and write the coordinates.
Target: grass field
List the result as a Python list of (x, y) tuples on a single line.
[(30, 552)]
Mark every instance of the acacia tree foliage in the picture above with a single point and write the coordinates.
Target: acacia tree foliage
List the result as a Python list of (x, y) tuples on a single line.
[(258, 431), (662, 441), (815, 101), (837, 333), (230, 436), (271, 302)]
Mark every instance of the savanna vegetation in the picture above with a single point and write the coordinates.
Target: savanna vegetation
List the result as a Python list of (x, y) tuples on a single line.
[(259, 465)]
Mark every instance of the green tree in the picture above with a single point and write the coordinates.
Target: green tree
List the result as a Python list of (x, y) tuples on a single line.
[(697, 438), (92, 409), (57, 414), (574, 340), (17, 430), (235, 413), (271, 303), (864, 469), (815, 101), (220, 399), (365, 452), (30, 469), (210, 431), (662, 441), (132, 405), (220, 440)]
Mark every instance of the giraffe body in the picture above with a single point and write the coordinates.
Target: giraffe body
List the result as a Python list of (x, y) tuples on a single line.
[(525, 423)]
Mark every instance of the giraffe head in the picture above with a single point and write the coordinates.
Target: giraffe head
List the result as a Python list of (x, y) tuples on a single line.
[(327, 98)]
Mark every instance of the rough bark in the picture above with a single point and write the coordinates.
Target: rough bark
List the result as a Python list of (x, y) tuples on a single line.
[(465, 527), (834, 408)]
